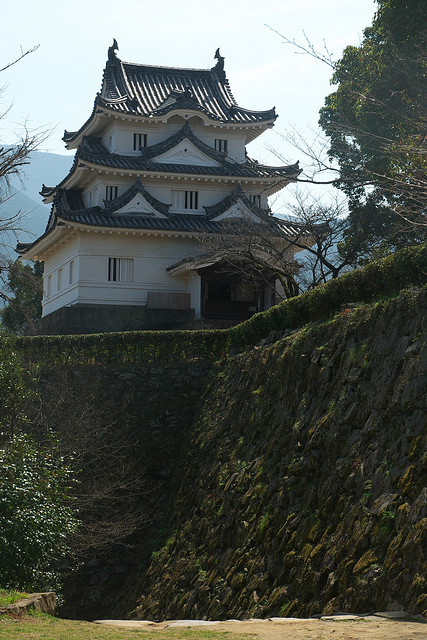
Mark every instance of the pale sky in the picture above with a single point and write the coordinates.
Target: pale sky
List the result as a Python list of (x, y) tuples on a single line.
[(54, 88)]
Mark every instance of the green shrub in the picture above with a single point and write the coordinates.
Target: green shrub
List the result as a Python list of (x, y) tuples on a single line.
[(15, 387), (130, 347), (35, 519), (378, 279)]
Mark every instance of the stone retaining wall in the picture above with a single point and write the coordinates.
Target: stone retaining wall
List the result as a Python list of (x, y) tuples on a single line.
[(107, 318), (44, 602)]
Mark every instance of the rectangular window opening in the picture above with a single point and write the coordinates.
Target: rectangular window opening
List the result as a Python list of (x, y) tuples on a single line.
[(185, 200), (221, 145), (139, 141), (71, 272), (49, 286), (60, 271), (111, 193), (120, 270), (256, 199)]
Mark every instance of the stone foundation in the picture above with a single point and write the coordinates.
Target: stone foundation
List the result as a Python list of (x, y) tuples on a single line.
[(108, 318)]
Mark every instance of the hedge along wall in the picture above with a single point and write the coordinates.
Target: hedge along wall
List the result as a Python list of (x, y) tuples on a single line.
[(119, 348), (381, 278)]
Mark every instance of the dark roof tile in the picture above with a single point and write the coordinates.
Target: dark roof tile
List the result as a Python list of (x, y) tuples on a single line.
[(125, 198), (144, 90), (93, 151)]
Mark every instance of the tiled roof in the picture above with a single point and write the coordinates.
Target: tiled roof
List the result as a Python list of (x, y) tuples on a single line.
[(46, 191), (277, 225), (144, 90), (230, 199), (185, 133), (72, 209), (93, 151), (68, 206), (125, 198), (178, 222)]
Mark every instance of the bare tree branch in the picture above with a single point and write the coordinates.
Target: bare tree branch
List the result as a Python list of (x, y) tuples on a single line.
[(23, 54)]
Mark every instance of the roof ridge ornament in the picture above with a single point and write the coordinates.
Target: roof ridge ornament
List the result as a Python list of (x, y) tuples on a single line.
[(188, 94), (112, 56), (219, 67)]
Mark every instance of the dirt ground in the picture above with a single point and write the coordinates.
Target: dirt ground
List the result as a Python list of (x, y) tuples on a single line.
[(370, 628)]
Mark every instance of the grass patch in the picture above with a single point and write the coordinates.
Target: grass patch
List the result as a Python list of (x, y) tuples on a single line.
[(43, 627), (9, 597)]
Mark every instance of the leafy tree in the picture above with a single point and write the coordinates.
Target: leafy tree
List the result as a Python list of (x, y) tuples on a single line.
[(23, 295), (35, 519), (35, 513), (376, 124), (15, 388)]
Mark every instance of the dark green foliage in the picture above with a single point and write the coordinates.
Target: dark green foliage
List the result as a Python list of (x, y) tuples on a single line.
[(121, 348), (405, 268), (24, 304), (15, 387), (375, 121), (34, 517)]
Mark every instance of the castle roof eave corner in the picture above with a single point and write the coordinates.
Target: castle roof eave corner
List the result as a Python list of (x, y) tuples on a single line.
[(72, 139), (35, 250)]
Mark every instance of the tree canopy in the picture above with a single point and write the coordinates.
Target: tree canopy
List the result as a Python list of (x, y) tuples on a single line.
[(22, 295), (376, 124)]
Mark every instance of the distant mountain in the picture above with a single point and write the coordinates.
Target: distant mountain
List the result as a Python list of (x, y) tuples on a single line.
[(44, 167), (32, 215)]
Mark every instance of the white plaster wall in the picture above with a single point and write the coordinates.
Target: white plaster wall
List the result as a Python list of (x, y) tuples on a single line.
[(194, 289), (57, 259), (122, 132), (209, 193), (151, 254), (118, 135)]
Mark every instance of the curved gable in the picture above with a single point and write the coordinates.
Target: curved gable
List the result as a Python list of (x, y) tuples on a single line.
[(186, 152)]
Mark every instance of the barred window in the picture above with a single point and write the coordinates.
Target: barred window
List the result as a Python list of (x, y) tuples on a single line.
[(49, 286), (256, 199), (139, 140), (120, 269), (111, 193), (185, 200), (221, 145)]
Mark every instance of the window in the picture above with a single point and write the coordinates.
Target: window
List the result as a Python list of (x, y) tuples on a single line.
[(60, 272), (49, 286), (71, 272), (120, 269), (256, 200), (139, 140), (185, 199), (221, 145), (111, 193)]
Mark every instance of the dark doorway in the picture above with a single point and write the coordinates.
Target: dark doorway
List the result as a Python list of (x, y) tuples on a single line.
[(226, 297)]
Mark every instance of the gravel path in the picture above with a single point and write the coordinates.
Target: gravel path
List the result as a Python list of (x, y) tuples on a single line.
[(332, 628)]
